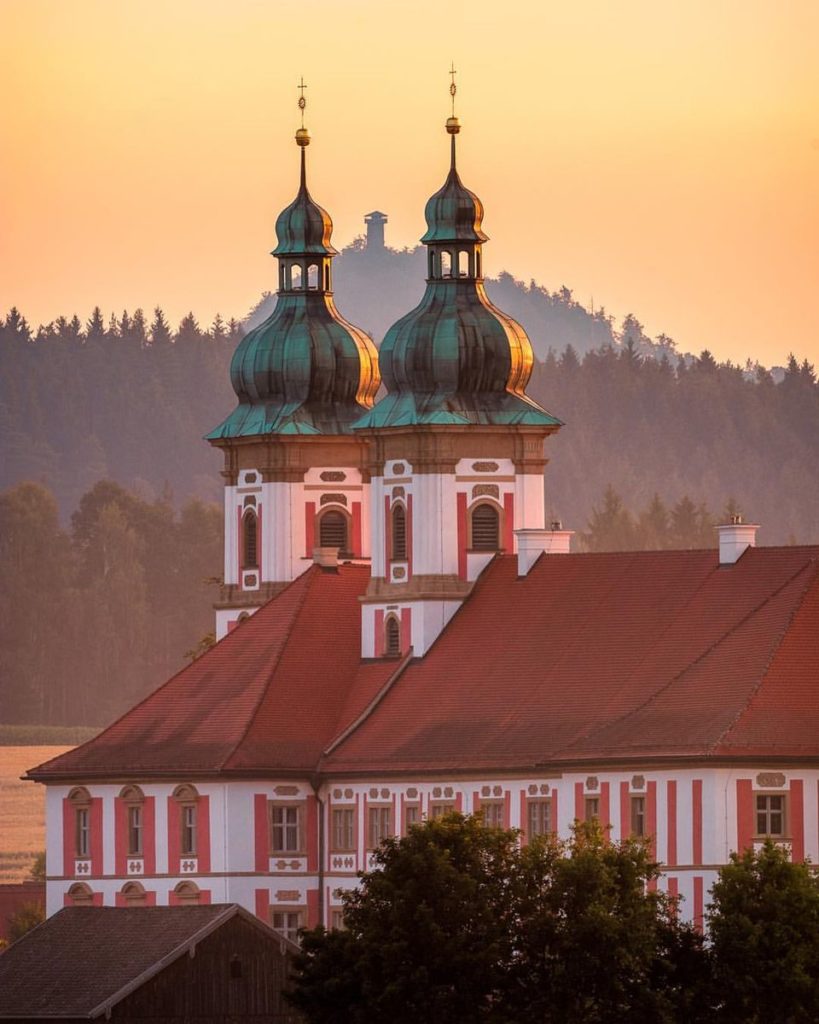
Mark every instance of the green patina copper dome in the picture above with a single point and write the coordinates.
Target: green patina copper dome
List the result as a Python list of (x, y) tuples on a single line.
[(305, 370), (456, 358)]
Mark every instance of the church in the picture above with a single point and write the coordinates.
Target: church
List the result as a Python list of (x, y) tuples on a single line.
[(401, 633)]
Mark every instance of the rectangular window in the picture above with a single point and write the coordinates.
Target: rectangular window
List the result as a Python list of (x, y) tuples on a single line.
[(539, 818), (135, 830), (638, 815), (380, 826), (492, 811), (439, 810), (412, 815), (287, 923), (188, 830), (337, 920), (592, 808), (82, 843), (770, 814), (285, 829), (343, 829)]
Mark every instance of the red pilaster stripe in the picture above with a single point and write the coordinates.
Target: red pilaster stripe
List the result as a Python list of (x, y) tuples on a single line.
[(797, 816), (507, 809), (406, 629), (206, 897), (459, 801), (745, 814), (312, 835), (461, 536), (174, 836), (259, 544), (698, 903), (625, 811), (203, 834), (509, 523), (578, 801), (651, 816), (263, 905), (260, 832), (673, 886), (357, 547), (240, 534), (149, 834), (555, 809), (524, 817), (605, 808), (671, 808), (696, 821), (378, 629), (96, 837), (309, 527), (409, 536), (312, 908), (387, 536)]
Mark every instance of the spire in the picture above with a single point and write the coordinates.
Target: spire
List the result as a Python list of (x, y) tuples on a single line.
[(302, 136), (453, 125)]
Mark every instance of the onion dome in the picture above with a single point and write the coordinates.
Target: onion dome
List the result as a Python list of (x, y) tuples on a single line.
[(456, 358), (305, 370)]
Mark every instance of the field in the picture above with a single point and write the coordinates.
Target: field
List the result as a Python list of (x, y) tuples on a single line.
[(22, 810)]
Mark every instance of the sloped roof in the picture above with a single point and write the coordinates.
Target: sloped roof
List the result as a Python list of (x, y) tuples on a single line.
[(267, 697), (610, 656), (621, 657), (84, 960)]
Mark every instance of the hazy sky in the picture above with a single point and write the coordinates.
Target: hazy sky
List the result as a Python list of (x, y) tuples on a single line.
[(659, 157)]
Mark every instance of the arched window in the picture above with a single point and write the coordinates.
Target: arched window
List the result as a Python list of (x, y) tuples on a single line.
[(188, 799), (80, 798), (477, 263), (392, 637), (485, 528), (134, 800), (81, 895), (295, 277), (327, 276), (399, 533), (187, 892), (463, 263), (250, 557), (134, 894), (312, 277), (430, 264), (446, 263), (333, 530)]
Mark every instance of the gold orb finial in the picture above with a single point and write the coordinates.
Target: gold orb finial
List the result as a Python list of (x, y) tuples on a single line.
[(453, 125), (302, 135)]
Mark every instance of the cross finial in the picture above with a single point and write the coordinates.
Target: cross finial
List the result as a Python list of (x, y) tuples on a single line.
[(302, 100), (453, 88)]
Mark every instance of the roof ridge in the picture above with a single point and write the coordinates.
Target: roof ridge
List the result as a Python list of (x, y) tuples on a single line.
[(308, 585), (774, 651), (700, 657), (365, 714)]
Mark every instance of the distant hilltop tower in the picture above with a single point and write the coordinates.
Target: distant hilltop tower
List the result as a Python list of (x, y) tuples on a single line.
[(375, 222)]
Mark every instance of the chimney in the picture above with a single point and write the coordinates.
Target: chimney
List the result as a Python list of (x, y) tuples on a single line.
[(734, 538), (534, 543), (327, 558)]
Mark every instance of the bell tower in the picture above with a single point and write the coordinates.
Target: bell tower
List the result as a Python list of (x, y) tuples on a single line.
[(296, 475), (457, 454)]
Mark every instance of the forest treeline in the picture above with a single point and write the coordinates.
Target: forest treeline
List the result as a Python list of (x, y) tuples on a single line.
[(95, 616)]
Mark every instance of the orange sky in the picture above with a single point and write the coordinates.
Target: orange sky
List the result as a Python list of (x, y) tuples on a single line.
[(660, 157)]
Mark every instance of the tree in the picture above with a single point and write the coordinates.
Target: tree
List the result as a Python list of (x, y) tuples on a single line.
[(611, 527), (459, 924), (764, 928), (26, 918)]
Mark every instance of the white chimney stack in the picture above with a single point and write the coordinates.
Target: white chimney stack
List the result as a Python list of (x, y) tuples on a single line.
[(534, 543), (327, 558), (734, 538)]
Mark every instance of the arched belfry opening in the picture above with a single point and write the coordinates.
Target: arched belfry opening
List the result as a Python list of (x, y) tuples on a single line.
[(392, 637), (333, 531), (250, 540), (485, 527)]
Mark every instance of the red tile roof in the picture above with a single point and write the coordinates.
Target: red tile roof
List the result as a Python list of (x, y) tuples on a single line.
[(621, 656)]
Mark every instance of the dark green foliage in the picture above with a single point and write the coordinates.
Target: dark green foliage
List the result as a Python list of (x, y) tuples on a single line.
[(26, 918), (764, 930), (92, 620), (458, 924)]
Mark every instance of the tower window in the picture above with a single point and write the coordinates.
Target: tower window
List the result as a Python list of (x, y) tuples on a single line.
[(250, 530), (312, 277), (485, 528), (333, 531), (399, 533), (188, 799), (477, 263), (135, 830), (463, 263), (446, 263), (392, 637), (327, 276), (295, 277)]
